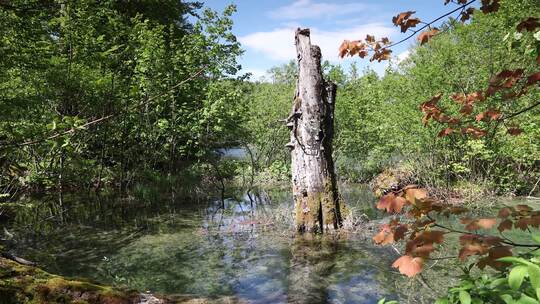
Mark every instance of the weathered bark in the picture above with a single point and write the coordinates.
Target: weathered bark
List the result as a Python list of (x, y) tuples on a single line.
[(316, 197)]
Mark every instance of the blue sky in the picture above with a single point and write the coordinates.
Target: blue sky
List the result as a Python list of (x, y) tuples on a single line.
[(266, 28)]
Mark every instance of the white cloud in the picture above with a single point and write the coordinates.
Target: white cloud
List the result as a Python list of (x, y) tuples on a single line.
[(304, 9), (278, 44), (256, 74), (402, 56)]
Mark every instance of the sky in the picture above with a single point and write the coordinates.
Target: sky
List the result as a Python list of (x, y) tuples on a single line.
[(266, 28)]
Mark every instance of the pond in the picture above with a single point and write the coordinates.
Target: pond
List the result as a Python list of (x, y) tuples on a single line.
[(243, 248)]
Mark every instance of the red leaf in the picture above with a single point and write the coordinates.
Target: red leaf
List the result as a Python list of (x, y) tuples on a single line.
[(397, 20), (466, 109), (445, 132), (344, 48), (495, 253), (489, 6), (529, 24), (408, 265), (412, 22), (505, 225), (476, 224), (412, 195), (355, 47), (427, 35), (458, 97), (400, 232), (385, 201), (384, 237), (474, 132), (533, 78), (370, 38), (397, 205), (523, 208), (466, 15), (514, 131), (432, 236), (504, 212), (392, 203), (475, 96), (523, 223), (491, 114), (474, 248)]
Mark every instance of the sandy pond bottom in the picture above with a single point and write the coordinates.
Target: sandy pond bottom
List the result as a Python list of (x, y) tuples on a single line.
[(242, 249)]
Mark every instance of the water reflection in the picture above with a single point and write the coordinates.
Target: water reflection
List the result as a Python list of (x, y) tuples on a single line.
[(240, 247)]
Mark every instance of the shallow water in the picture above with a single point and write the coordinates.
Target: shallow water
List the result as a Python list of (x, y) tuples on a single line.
[(242, 248)]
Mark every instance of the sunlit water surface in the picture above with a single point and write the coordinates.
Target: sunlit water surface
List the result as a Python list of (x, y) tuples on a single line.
[(241, 248)]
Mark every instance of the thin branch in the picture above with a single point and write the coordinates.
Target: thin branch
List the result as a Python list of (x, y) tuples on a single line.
[(522, 111), (507, 241), (101, 119), (431, 23)]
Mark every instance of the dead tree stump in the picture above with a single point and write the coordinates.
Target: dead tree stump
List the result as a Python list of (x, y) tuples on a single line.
[(318, 206)]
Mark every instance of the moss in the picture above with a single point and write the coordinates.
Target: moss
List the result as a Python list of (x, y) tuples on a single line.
[(401, 174), (313, 207), (27, 284)]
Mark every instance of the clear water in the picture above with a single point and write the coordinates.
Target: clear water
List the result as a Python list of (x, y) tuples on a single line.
[(242, 249)]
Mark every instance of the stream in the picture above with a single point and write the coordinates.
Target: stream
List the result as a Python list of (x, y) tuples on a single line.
[(243, 248)]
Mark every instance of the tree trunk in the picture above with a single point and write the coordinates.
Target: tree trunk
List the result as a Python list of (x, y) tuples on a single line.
[(317, 201)]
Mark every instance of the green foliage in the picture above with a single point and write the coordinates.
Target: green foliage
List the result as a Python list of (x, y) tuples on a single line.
[(96, 92), (379, 123), (517, 284)]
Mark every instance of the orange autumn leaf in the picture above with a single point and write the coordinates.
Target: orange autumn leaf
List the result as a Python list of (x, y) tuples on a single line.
[(397, 20), (505, 225), (489, 114), (445, 132), (414, 194), (494, 254), (370, 38), (466, 109), (392, 203), (490, 6), (408, 265), (466, 15), (405, 21), (533, 78), (529, 24), (385, 201), (514, 131), (476, 224), (474, 132), (400, 232), (523, 208), (431, 236), (412, 22), (427, 35), (504, 212), (344, 48), (384, 237)]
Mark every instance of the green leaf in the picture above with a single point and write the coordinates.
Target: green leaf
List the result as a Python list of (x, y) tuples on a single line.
[(442, 301), (538, 293), (464, 297), (516, 276), (536, 237), (515, 260), (497, 282), (525, 299), (534, 275), (507, 299)]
